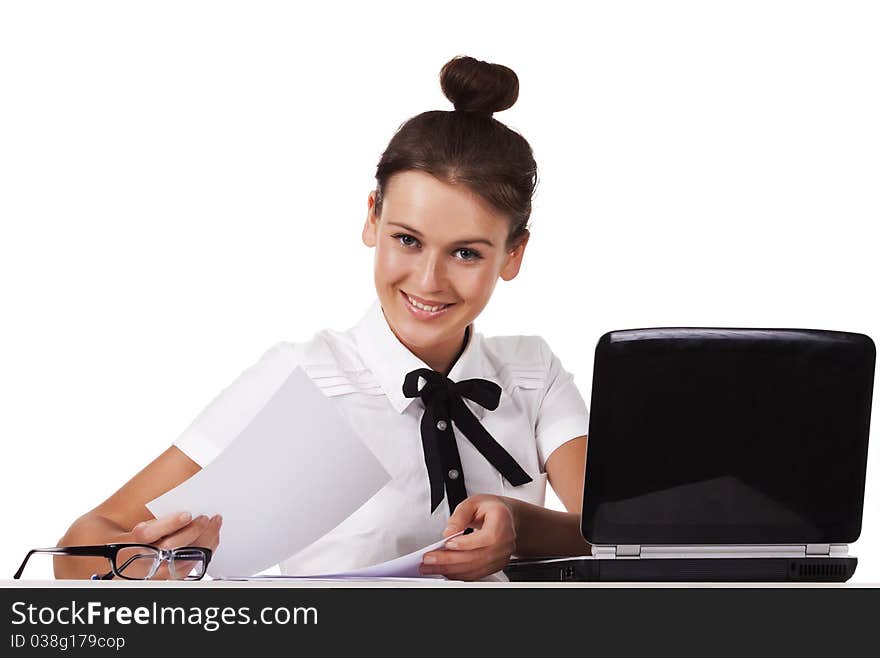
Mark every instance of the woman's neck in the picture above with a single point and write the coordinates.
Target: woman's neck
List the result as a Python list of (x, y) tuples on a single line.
[(443, 358), (440, 358)]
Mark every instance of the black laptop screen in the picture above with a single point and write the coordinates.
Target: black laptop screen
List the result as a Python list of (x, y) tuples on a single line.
[(728, 436)]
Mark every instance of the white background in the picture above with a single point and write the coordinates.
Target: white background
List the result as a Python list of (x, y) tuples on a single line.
[(183, 184)]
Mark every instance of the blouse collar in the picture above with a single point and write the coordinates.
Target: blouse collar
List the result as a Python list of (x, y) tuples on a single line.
[(390, 361)]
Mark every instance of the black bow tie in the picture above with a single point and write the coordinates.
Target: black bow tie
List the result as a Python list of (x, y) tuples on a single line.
[(443, 406)]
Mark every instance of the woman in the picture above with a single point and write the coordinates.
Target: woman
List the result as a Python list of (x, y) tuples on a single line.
[(470, 428)]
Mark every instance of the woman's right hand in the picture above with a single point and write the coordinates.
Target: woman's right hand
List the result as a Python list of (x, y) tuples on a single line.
[(124, 518), (176, 531)]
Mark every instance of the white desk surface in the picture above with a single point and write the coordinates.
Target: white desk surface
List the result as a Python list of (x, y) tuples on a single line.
[(417, 583)]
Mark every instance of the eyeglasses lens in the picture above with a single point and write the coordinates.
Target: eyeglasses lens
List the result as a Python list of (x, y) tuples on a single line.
[(138, 562), (187, 564)]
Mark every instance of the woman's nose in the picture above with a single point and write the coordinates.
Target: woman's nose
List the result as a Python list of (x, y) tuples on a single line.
[(432, 273)]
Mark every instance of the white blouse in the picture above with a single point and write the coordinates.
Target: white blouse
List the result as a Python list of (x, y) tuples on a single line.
[(362, 371)]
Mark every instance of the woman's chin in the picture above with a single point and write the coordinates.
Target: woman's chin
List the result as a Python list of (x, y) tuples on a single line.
[(418, 333)]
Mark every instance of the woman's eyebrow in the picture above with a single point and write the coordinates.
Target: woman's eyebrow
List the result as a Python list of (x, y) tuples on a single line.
[(475, 241), (418, 234), (406, 228)]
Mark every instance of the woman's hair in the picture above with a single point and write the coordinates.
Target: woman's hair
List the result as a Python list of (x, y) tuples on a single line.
[(467, 145)]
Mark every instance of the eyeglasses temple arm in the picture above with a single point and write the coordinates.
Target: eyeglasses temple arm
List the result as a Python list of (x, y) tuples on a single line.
[(106, 576), (83, 551)]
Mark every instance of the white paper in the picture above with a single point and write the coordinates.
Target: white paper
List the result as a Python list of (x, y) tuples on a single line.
[(293, 474), (403, 567)]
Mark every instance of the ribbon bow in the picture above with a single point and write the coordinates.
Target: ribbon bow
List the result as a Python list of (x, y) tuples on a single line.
[(444, 405)]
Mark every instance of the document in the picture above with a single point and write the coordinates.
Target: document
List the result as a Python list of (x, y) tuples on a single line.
[(293, 474), (403, 567)]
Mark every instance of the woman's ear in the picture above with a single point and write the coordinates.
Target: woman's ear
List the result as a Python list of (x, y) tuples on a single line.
[(371, 223), (514, 257)]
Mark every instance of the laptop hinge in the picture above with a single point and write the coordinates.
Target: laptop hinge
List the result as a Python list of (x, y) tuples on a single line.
[(772, 550), (624, 550)]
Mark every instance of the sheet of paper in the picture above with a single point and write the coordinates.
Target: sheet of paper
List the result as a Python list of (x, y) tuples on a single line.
[(403, 567), (293, 474)]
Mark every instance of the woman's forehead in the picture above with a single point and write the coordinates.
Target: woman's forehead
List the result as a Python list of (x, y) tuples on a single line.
[(438, 208)]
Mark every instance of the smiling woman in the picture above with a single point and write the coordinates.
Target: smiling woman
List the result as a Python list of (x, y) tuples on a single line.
[(440, 250), (480, 422)]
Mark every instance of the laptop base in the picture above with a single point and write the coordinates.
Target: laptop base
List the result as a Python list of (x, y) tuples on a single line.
[(760, 569)]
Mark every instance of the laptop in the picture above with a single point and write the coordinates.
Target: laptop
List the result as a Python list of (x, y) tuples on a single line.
[(722, 455)]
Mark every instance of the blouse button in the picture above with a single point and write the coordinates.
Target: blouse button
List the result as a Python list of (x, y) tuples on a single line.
[(441, 425), (453, 474)]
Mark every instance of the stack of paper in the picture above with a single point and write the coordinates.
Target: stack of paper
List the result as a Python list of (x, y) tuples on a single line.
[(293, 474), (403, 567)]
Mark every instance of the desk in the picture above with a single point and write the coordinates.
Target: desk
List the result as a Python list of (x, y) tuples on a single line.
[(426, 583)]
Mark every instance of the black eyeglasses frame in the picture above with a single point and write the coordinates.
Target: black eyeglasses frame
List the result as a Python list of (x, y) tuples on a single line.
[(110, 551)]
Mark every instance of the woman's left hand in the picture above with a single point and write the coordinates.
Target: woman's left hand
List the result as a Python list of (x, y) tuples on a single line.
[(482, 552)]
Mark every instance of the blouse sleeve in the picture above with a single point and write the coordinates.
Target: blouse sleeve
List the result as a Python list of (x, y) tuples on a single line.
[(230, 412), (562, 414)]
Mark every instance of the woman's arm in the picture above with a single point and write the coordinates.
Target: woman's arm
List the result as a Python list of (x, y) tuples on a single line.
[(544, 532), (565, 470), (124, 517)]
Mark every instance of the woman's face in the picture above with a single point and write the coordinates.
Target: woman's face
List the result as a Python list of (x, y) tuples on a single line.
[(440, 249)]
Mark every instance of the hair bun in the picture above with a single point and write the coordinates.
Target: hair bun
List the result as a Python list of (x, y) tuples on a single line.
[(479, 87)]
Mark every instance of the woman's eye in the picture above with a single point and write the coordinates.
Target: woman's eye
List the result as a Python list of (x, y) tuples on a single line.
[(405, 240), (467, 254)]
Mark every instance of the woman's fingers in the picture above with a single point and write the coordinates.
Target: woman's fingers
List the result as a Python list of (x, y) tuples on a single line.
[(444, 558), (464, 565), (466, 514), (210, 537), (147, 532), (186, 535), (180, 531), (476, 539), (469, 569), (473, 569)]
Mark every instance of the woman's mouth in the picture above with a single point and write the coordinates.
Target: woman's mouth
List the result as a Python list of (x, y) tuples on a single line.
[(423, 308)]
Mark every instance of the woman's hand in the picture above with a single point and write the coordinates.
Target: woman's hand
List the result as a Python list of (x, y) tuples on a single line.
[(482, 552), (176, 531)]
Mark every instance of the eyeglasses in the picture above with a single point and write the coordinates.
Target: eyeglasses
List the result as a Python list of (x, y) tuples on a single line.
[(138, 561)]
